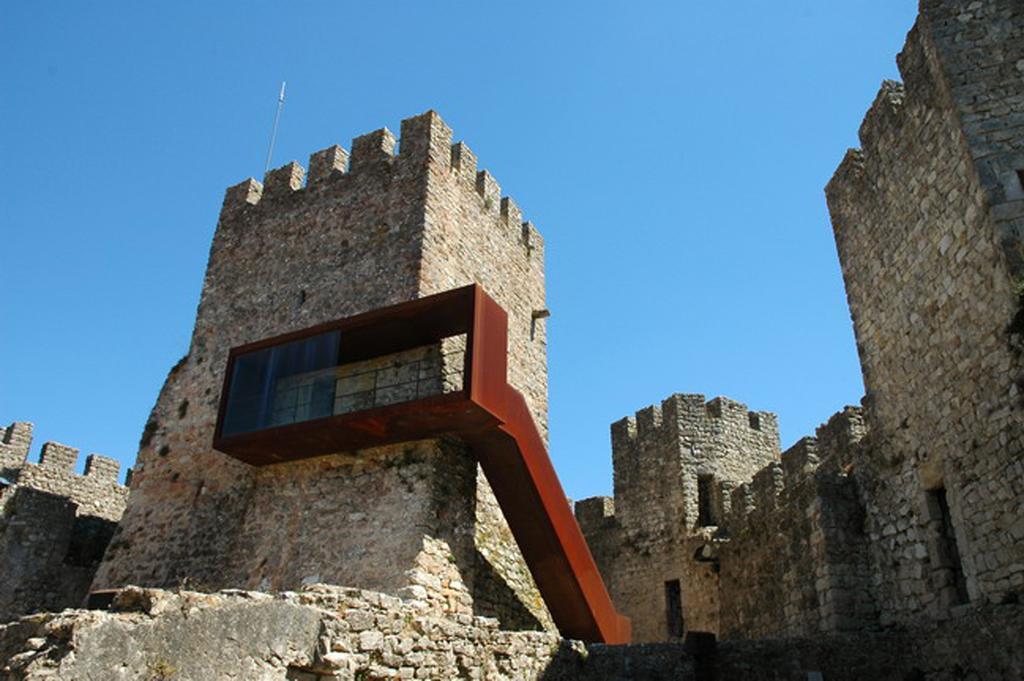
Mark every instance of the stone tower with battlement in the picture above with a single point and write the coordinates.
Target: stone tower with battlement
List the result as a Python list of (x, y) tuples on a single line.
[(928, 216), (389, 222), (675, 466)]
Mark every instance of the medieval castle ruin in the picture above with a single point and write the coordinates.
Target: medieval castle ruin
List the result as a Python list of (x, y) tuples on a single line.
[(889, 545), (54, 524)]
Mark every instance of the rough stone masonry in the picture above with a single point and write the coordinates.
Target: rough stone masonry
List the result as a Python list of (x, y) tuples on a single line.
[(912, 506), (888, 546), (364, 230), (54, 524)]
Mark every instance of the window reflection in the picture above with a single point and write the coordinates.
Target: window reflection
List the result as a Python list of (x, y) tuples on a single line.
[(304, 380), (282, 384)]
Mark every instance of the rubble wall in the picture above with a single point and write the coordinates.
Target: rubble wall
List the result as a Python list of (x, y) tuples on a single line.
[(796, 560), (333, 634)]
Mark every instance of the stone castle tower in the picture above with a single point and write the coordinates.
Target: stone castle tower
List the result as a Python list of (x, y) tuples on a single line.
[(675, 466), (928, 217), (363, 231)]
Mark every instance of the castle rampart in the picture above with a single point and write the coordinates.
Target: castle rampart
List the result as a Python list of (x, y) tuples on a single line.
[(97, 492), (907, 507), (766, 546), (663, 451), (796, 560), (15, 442)]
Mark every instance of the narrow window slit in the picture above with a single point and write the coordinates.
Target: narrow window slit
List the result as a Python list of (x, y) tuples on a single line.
[(705, 510), (674, 608), (947, 558)]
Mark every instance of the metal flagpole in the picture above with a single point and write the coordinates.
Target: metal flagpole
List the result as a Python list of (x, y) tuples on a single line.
[(277, 119)]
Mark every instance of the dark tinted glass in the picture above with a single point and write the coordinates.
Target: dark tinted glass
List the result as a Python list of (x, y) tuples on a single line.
[(283, 384)]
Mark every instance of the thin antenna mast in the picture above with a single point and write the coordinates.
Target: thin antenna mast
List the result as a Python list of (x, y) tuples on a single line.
[(273, 135)]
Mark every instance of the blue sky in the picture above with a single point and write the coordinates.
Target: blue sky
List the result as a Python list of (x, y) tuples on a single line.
[(673, 155)]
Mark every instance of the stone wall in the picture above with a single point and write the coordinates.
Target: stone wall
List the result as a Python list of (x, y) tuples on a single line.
[(327, 633), (48, 554), (334, 512), (979, 643), (54, 524), (96, 492), (322, 633), (15, 442), (645, 542), (502, 585), (796, 559), (927, 220), (910, 507), (362, 232), (777, 550), (471, 233)]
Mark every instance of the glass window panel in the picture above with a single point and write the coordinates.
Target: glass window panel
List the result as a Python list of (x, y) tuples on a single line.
[(302, 380), (283, 384)]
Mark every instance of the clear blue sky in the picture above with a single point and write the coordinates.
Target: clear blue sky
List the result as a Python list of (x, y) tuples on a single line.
[(673, 155)]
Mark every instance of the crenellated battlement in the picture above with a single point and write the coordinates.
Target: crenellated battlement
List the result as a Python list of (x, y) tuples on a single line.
[(884, 122), (784, 483), (767, 492), (54, 523), (900, 509), (884, 117), (425, 150), (594, 513), (390, 218), (794, 535), (674, 459), (96, 491), (15, 442), (879, 134), (840, 435), (898, 118), (681, 411)]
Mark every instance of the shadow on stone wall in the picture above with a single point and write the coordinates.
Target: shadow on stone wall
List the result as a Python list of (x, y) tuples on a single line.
[(977, 643), (641, 662), (492, 597)]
